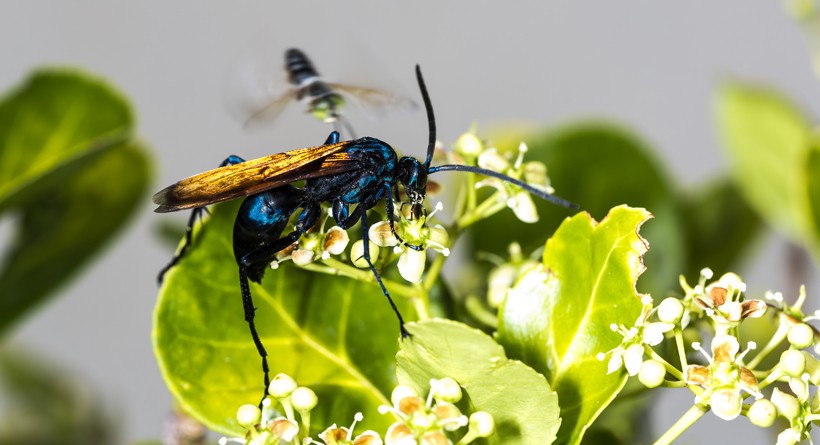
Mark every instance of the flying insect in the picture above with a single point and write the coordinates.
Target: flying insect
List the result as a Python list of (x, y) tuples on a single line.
[(325, 100), (360, 172)]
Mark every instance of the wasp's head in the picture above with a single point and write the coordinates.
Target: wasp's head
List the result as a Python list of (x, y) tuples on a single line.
[(413, 176)]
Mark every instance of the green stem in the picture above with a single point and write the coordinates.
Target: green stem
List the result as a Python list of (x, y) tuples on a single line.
[(688, 419), (476, 309), (336, 267), (681, 348), (421, 302), (490, 206), (669, 368), (773, 343)]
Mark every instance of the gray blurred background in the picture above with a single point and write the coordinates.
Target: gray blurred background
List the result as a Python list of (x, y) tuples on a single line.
[(651, 66)]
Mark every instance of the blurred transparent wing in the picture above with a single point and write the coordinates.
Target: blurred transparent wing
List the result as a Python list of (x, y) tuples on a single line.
[(375, 103), (268, 112)]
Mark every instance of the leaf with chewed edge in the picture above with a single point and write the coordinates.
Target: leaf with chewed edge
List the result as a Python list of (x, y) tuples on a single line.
[(523, 406), (557, 317)]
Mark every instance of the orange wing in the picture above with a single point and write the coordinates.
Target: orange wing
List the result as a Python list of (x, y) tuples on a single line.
[(254, 176)]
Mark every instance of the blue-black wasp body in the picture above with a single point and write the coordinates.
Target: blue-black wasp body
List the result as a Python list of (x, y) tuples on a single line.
[(360, 172)]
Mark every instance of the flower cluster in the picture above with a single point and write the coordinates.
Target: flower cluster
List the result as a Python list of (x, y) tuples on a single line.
[(267, 426), (427, 422), (314, 246), (473, 150), (728, 376)]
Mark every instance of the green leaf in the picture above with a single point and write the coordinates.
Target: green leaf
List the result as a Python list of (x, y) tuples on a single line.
[(598, 166), (557, 317), (336, 335), (520, 400), (70, 178), (720, 226), (45, 404), (768, 141), (812, 176)]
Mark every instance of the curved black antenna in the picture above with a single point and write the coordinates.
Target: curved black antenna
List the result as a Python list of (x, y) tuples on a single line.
[(483, 171), (431, 119)]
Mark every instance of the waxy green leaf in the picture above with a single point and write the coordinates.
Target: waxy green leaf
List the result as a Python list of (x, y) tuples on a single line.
[(333, 334), (523, 406), (768, 140), (70, 177), (557, 317)]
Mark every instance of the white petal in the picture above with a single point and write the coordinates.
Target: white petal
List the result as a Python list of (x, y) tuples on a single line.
[(524, 207), (653, 332), (615, 361), (633, 357), (411, 265)]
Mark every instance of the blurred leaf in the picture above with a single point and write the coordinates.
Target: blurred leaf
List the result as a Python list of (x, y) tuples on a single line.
[(813, 189), (520, 400), (45, 405), (336, 335), (557, 318), (70, 177), (767, 139), (598, 166), (720, 225)]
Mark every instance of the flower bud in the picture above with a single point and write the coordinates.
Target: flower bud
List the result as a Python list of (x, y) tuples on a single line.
[(336, 240), (303, 399), (762, 413), (651, 373), (469, 145), (281, 386), (500, 281), (401, 392), (726, 403), (801, 335), (248, 416), (381, 234), (787, 405), (445, 390), (302, 257), (670, 310), (492, 160), (482, 423), (411, 265), (357, 254), (439, 239), (792, 363)]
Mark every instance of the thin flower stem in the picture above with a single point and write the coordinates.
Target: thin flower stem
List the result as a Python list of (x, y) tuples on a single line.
[(422, 302), (773, 343), (488, 207), (669, 368), (336, 267), (673, 384), (681, 348), (688, 419), (771, 378), (476, 309)]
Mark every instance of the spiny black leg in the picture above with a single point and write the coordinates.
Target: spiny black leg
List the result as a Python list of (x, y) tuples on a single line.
[(366, 241), (247, 304), (189, 230)]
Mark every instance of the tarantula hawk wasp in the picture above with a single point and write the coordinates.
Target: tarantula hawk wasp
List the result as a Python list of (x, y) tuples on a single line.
[(359, 172)]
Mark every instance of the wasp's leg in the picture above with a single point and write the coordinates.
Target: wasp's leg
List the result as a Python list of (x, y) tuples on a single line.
[(366, 255), (189, 228), (261, 256), (390, 213)]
